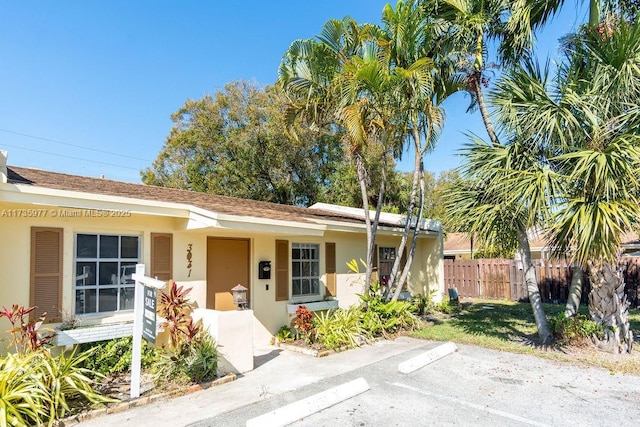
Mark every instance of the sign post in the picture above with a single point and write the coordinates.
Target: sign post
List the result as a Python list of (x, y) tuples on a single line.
[(144, 316)]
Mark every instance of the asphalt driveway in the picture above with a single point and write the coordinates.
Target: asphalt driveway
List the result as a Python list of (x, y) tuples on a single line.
[(472, 386)]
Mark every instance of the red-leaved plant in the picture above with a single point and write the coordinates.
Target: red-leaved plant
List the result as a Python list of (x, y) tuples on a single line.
[(303, 323), (176, 309), (27, 334)]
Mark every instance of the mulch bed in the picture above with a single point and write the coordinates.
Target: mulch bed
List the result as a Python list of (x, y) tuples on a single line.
[(119, 387)]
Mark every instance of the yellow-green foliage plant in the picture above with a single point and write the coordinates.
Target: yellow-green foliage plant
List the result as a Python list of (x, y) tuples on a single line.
[(65, 379), (22, 391), (35, 386)]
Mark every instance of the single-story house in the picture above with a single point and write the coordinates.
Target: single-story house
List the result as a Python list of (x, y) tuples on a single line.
[(70, 244)]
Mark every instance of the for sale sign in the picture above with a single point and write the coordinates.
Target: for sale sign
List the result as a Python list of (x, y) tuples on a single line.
[(149, 314)]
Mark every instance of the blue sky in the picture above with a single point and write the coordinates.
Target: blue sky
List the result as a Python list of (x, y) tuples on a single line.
[(88, 87)]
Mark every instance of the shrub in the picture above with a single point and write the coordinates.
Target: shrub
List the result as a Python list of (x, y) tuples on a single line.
[(66, 380), (26, 333), (34, 385), (303, 324), (337, 328), (176, 309), (114, 356), (422, 305), (35, 388), (196, 361), (22, 391), (380, 317), (192, 355), (447, 307), (284, 334), (575, 330)]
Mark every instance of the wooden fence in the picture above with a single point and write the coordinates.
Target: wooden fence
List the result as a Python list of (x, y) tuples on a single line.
[(504, 279)]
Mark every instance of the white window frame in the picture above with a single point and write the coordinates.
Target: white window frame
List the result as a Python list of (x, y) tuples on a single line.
[(124, 283), (306, 297)]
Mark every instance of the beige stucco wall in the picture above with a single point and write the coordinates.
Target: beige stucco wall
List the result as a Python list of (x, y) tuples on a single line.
[(269, 314)]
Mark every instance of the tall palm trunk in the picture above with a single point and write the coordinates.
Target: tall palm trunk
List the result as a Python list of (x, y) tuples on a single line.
[(362, 178), (396, 279), (532, 287), (575, 292), (482, 106), (418, 180), (594, 12), (609, 307), (372, 226)]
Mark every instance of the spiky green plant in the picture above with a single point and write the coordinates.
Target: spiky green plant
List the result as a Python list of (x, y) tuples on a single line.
[(23, 394)]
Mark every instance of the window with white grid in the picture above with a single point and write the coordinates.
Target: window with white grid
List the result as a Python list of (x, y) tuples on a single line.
[(305, 269)]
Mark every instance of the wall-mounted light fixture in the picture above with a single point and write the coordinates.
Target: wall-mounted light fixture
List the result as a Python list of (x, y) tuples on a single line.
[(239, 293)]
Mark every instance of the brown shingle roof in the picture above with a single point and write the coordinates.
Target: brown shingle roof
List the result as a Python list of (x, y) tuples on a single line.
[(210, 202)]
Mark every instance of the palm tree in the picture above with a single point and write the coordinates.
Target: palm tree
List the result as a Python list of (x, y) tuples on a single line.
[(411, 59), (590, 122), (484, 206), (467, 27), (341, 79), (378, 84)]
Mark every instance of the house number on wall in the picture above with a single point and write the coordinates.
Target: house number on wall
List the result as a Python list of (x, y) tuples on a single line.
[(189, 256)]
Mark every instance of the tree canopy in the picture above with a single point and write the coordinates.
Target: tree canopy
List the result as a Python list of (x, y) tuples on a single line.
[(235, 143)]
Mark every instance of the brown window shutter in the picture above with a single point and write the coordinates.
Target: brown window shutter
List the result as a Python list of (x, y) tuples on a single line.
[(403, 262), (46, 272), (375, 257), (375, 276), (162, 256), (282, 270), (330, 265)]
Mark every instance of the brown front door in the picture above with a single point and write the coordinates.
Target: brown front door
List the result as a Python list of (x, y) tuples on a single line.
[(227, 266)]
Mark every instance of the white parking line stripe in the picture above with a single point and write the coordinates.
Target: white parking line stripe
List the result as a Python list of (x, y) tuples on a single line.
[(472, 405), (427, 357), (310, 405)]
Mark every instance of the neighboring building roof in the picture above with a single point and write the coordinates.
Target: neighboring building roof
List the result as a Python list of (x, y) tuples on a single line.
[(385, 217), (210, 202), (456, 243), (459, 243)]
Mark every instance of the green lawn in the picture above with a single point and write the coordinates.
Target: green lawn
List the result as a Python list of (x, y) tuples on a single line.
[(509, 326)]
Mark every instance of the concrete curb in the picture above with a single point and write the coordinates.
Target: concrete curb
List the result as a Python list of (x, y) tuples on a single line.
[(145, 400), (426, 358), (310, 405), (312, 351)]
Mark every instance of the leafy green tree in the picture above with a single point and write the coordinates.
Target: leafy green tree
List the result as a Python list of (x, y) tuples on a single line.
[(345, 189), (437, 190), (234, 143), (486, 207)]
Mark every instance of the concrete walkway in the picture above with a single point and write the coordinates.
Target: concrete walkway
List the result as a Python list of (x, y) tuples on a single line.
[(276, 372)]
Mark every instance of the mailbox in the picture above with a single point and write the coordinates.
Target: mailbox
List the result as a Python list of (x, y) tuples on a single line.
[(264, 270)]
